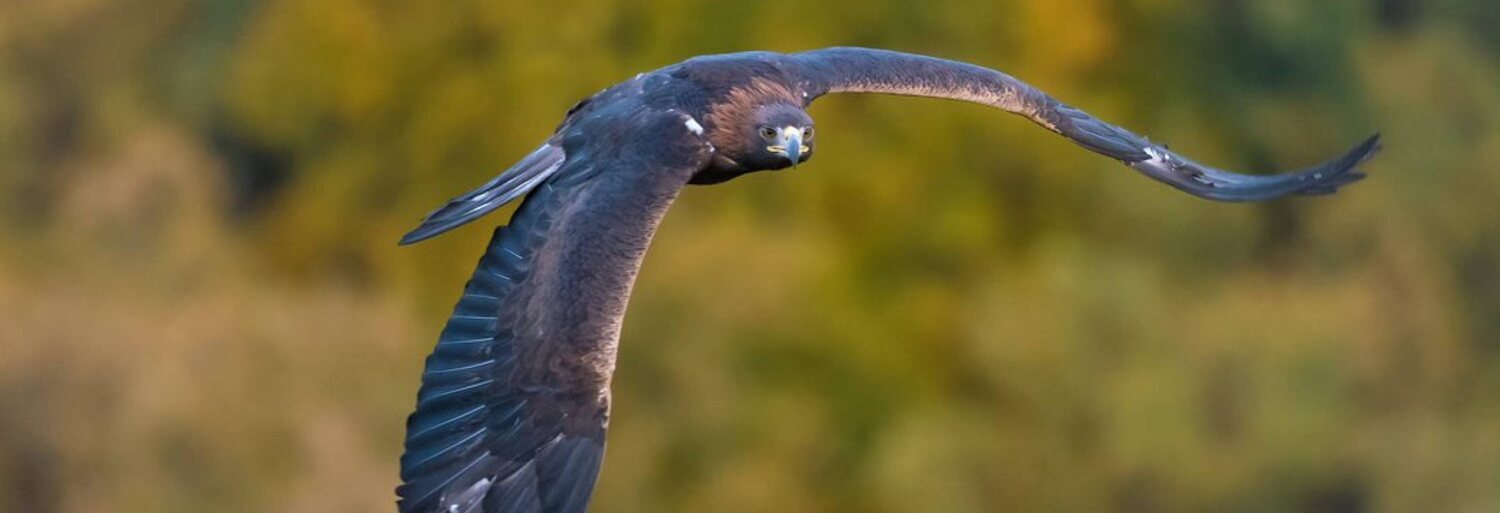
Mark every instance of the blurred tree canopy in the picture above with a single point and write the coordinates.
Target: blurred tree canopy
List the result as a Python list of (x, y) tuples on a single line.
[(202, 307)]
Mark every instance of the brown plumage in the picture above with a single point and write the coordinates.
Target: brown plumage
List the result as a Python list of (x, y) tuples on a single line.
[(740, 106)]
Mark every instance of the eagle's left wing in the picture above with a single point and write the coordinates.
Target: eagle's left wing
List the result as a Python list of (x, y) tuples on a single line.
[(862, 70)]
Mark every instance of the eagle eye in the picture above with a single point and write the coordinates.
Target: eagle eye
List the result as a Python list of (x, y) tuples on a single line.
[(768, 132), (807, 134)]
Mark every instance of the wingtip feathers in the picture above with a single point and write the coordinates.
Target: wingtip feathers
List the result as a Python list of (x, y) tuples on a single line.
[(1346, 168)]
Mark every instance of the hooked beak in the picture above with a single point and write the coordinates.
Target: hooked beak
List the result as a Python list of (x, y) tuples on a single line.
[(789, 144)]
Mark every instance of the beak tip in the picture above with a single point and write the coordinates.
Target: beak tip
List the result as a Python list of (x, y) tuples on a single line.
[(790, 144)]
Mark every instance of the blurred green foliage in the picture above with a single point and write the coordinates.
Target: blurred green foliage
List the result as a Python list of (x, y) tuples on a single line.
[(202, 307)]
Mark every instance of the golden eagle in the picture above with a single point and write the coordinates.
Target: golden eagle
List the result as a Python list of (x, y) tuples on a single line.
[(514, 403)]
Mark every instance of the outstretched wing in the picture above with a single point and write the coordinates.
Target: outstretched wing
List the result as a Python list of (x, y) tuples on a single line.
[(861, 70), (514, 402)]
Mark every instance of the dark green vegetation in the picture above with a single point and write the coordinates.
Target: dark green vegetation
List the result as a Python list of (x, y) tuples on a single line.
[(201, 307)]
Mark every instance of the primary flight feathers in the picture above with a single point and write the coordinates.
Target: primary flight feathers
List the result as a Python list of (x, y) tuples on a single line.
[(515, 398)]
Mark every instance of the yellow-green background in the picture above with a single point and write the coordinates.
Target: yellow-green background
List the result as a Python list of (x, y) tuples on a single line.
[(202, 307)]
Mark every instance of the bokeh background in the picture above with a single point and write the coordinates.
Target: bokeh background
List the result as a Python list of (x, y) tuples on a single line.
[(202, 307)]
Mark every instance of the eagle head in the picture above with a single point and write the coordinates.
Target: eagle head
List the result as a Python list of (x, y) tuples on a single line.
[(762, 137)]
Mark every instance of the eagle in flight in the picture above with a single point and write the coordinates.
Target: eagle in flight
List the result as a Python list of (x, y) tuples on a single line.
[(514, 402)]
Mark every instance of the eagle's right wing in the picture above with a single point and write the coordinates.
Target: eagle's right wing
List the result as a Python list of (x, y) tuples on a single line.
[(515, 396)]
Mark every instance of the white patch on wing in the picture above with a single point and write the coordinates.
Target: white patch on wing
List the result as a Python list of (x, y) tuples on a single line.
[(693, 126), (1158, 157), (470, 496)]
